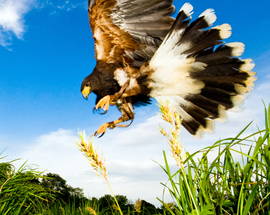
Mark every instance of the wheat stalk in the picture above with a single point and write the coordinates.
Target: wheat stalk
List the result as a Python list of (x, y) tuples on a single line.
[(87, 147), (173, 135)]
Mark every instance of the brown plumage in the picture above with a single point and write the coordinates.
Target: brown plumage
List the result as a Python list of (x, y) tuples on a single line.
[(110, 41), (143, 52)]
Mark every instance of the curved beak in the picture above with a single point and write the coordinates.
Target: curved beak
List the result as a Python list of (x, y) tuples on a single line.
[(86, 91)]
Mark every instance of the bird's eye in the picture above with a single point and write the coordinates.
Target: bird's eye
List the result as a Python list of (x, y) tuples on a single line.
[(87, 85)]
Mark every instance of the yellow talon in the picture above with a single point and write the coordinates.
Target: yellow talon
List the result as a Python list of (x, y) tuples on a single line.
[(102, 129), (104, 103)]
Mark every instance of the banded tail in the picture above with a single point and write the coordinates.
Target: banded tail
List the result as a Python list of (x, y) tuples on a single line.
[(197, 72)]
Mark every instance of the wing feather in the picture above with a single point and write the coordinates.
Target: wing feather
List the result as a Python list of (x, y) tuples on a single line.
[(130, 28)]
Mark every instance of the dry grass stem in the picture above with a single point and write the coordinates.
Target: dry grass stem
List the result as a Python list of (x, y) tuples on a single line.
[(95, 160), (173, 134)]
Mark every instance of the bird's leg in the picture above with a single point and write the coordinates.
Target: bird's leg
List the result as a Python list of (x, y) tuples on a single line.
[(126, 109), (108, 100), (127, 114)]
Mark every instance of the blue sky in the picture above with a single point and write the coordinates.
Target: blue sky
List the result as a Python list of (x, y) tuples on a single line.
[(46, 49), (41, 74)]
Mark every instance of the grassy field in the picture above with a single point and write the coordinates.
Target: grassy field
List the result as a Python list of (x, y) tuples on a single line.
[(229, 177)]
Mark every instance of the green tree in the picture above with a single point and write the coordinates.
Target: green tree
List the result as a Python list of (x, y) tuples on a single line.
[(63, 192)]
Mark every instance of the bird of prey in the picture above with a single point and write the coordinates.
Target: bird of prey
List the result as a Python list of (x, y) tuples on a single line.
[(142, 52)]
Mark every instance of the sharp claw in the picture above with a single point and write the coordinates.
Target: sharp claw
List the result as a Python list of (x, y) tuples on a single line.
[(102, 129), (101, 135), (96, 134), (104, 103)]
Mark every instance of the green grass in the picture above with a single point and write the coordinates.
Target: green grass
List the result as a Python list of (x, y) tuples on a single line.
[(230, 177), (20, 190)]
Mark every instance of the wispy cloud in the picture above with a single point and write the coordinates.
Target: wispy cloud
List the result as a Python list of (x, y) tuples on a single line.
[(62, 5), (12, 21)]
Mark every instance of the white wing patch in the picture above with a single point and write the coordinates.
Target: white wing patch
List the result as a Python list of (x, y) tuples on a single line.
[(120, 76)]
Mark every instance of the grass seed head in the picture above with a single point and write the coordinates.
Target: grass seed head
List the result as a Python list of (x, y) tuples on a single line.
[(166, 113), (173, 118), (95, 160)]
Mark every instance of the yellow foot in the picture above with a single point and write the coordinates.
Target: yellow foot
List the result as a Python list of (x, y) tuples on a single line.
[(102, 129), (104, 103)]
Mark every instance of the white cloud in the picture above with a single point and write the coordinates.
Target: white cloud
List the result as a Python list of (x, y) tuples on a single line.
[(132, 170), (12, 15), (12, 19)]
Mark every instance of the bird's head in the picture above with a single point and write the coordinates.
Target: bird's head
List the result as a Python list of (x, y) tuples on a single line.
[(86, 87)]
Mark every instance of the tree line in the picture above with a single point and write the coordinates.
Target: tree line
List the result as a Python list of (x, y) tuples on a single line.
[(27, 191)]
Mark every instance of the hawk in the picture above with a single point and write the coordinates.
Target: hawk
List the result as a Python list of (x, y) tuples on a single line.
[(142, 52)]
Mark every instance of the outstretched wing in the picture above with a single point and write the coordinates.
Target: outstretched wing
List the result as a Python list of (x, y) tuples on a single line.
[(199, 74), (130, 28)]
